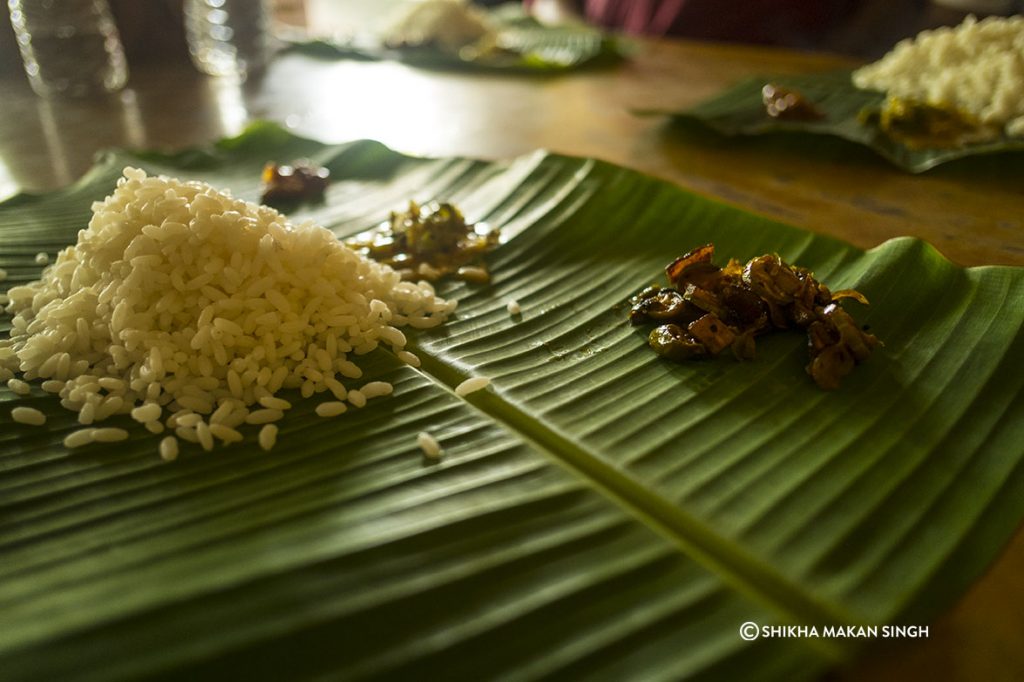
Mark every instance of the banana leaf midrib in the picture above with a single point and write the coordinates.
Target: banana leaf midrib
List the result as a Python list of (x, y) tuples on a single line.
[(691, 535)]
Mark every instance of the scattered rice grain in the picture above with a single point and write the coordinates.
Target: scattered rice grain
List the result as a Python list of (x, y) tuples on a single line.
[(431, 448), (375, 389), (169, 449), (77, 439), (28, 415), (268, 436), (333, 408), (18, 386), (109, 435), (408, 358), (472, 385), (53, 386)]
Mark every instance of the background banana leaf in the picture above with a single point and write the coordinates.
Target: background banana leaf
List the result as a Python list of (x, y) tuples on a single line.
[(739, 111), (599, 513), (526, 46)]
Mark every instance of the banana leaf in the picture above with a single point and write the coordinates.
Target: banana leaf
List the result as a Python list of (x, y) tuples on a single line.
[(521, 45), (599, 512), (740, 112)]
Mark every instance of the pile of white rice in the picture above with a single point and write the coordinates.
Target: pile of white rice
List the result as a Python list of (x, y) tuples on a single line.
[(447, 24), (189, 310), (977, 67)]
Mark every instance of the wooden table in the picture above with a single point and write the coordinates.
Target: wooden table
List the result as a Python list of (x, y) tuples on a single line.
[(974, 213)]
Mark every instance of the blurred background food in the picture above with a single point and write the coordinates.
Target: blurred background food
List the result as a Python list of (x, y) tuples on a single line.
[(154, 30)]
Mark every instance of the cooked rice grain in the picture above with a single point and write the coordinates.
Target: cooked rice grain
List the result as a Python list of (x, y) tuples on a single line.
[(431, 448), (275, 403), (472, 385), (169, 449), (28, 415), (375, 389), (77, 439), (109, 435), (408, 358), (18, 386), (332, 408), (268, 436)]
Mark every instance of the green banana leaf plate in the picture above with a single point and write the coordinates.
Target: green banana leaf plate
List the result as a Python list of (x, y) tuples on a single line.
[(599, 513), (523, 44), (739, 111)]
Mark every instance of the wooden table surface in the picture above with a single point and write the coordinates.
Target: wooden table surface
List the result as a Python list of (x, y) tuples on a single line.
[(973, 212)]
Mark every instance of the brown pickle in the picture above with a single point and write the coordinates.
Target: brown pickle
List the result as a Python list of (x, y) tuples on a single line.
[(708, 309), (295, 182), (657, 304), (672, 342), (788, 104)]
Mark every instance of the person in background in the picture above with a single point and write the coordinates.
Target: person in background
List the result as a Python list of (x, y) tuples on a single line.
[(756, 21), (862, 27)]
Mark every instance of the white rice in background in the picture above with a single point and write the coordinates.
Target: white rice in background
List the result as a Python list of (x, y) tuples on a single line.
[(977, 67), (181, 305), (449, 24)]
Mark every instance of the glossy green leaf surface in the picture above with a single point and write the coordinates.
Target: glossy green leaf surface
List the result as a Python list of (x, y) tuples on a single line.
[(739, 111), (599, 513)]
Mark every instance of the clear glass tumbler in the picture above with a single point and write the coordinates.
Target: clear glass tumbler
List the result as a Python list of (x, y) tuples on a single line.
[(69, 46), (228, 37)]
